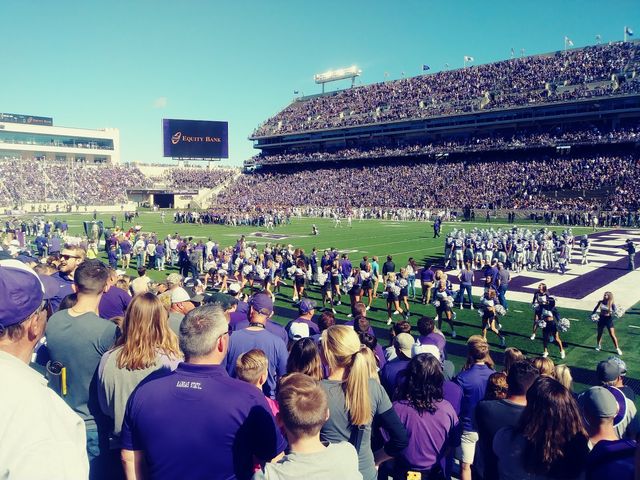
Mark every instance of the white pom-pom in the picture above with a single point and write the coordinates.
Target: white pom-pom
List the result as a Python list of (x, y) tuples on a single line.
[(619, 311), (291, 270), (403, 283), (542, 323), (500, 310), (436, 303), (322, 278), (247, 269), (481, 313), (595, 317), (396, 290), (564, 324)]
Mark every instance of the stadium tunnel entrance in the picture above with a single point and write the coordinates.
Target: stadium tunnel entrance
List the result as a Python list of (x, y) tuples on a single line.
[(164, 200)]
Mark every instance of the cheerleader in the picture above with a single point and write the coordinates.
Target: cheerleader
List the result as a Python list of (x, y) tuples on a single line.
[(550, 332), (335, 281), (443, 302), (393, 296), (403, 283), (326, 288), (269, 276), (490, 316), (367, 283), (606, 310), (223, 272), (540, 303), (354, 287), (299, 277)]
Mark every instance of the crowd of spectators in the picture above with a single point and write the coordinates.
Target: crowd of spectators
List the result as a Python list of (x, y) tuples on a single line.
[(570, 75), (194, 178), (530, 182), (475, 143), (71, 184)]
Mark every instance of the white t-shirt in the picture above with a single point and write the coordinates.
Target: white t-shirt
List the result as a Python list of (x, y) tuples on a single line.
[(41, 437)]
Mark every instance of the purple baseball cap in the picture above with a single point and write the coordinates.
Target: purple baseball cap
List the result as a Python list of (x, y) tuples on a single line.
[(306, 305), (21, 292), (262, 303)]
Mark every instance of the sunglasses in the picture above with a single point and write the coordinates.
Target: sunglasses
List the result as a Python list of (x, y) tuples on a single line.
[(67, 257)]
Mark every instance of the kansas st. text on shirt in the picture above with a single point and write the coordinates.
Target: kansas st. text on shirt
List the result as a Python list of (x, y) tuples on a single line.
[(185, 384)]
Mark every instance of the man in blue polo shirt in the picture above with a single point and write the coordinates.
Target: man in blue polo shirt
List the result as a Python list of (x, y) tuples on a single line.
[(197, 422), (257, 336)]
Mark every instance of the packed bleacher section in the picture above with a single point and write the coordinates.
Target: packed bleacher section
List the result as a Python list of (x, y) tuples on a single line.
[(190, 178), (529, 181), (72, 184), (575, 74), (473, 143)]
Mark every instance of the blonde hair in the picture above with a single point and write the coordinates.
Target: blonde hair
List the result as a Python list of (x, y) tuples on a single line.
[(563, 375), (342, 349), (511, 356), (251, 365), (145, 334), (477, 351), (545, 366)]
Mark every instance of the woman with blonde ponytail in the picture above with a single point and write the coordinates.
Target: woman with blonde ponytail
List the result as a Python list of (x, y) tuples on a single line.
[(355, 399)]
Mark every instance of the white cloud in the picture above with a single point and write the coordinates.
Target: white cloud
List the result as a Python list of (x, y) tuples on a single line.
[(160, 102)]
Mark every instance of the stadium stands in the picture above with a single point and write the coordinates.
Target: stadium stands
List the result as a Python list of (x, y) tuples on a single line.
[(590, 72)]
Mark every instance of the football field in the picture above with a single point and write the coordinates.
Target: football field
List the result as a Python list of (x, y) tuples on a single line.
[(577, 291)]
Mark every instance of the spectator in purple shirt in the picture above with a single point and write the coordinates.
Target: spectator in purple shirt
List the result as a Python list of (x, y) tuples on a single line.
[(426, 278), (430, 420), (473, 380), (306, 310), (114, 302), (430, 335), (224, 423), (389, 374)]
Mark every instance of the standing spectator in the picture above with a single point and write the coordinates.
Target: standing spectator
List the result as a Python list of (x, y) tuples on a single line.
[(256, 336), (115, 301), (223, 422), (146, 345), (355, 400), (503, 279), (304, 357), (70, 259), (77, 338), (304, 410), (473, 380), (306, 310), (610, 457), (41, 436), (630, 247), (388, 267), (181, 304), (390, 372), (549, 441), (492, 415), (430, 420)]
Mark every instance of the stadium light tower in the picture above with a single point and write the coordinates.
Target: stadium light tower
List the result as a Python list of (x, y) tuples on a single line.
[(340, 74)]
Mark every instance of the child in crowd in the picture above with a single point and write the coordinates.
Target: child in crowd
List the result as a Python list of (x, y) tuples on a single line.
[(252, 367), (303, 411)]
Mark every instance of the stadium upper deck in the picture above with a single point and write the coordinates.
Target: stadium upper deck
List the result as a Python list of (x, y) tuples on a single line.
[(592, 83)]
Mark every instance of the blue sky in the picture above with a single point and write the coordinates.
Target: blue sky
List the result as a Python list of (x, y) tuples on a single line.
[(128, 64)]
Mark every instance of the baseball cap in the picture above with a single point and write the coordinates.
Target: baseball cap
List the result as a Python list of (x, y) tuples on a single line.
[(306, 305), (621, 364), (174, 279), (403, 342), (608, 371), (234, 288), (225, 301), (180, 295), (21, 293), (599, 402), (430, 349), (298, 330), (262, 303)]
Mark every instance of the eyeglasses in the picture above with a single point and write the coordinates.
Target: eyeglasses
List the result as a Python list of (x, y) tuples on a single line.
[(67, 257)]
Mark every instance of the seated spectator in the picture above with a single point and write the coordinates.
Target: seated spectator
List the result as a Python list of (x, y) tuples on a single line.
[(549, 441), (42, 437), (224, 422), (146, 345), (355, 400), (492, 415), (430, 420), (303, 412), (304, 357), (610, 457)]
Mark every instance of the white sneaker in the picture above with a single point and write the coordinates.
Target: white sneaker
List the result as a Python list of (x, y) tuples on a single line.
[(350, 315), (461, 307), (396, 312), (368, 308), (598, 347), (533, 336), (333, 310), (453, 334), (619, 351), (545, 354), (562, 354), (503, 342), (389, 321), (472, 306)]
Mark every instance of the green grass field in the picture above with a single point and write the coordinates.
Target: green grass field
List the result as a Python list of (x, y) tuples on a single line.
[(404, 240)]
